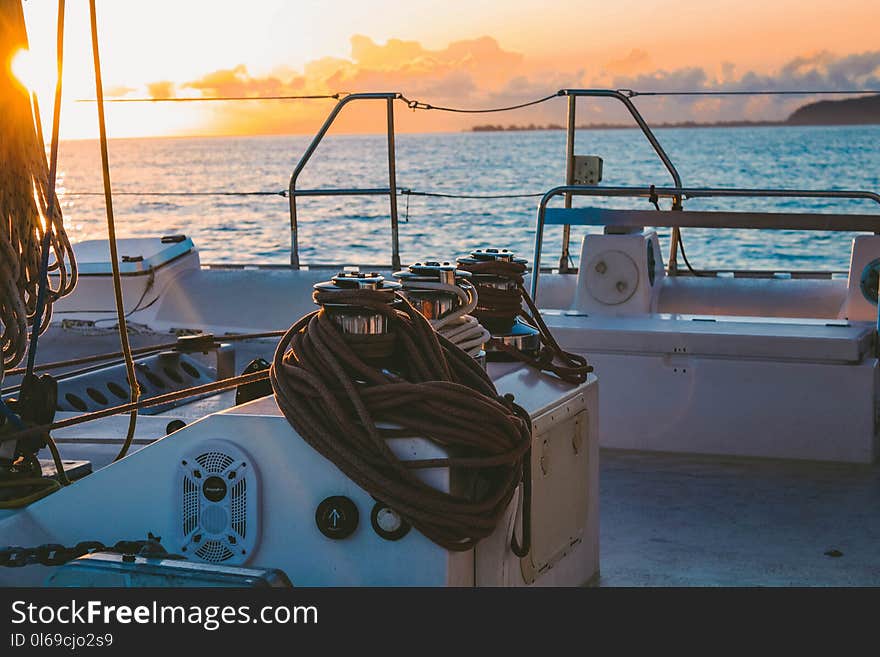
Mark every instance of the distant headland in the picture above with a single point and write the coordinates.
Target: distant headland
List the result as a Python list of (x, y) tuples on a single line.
[(851, 111)]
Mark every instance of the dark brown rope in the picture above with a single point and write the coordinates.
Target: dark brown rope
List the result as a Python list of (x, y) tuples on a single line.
[(496, 303), (341, 393)]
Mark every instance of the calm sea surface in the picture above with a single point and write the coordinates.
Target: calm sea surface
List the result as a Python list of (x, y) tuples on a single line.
[(255, 229)]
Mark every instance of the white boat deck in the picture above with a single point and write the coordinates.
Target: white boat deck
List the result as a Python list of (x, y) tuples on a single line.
[(666, 519)]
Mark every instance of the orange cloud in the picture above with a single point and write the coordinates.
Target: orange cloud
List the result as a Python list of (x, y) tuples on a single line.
[(468, 71), (480, 73), (162, 89), (238, 82), (634, 62)]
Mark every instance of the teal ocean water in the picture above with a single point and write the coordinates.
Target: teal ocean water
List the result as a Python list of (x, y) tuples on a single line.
[(255, 229)]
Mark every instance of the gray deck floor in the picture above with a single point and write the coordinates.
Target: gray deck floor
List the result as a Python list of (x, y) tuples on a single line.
[(671, 520)]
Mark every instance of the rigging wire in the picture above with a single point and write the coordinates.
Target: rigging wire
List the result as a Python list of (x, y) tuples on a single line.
[(149, 349), (419, 105), (412, 192), (177, 395), (284, 194), (654, 200), (198, 99), (736, 92), (134, 388)]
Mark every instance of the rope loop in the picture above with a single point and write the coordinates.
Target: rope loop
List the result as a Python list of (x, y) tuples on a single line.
[(347, 405)]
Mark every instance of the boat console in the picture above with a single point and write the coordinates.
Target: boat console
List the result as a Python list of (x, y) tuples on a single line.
[(241, 488)]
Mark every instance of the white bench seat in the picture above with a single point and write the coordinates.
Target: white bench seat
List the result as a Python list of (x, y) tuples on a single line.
[(835, 341)]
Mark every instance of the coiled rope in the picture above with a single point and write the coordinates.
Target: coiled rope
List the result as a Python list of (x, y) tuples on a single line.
[(30, 216), (347, 395), (33, 243), (458, 326), (497, 303)]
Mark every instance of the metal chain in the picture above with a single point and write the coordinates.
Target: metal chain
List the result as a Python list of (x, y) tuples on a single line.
[(55, 554)]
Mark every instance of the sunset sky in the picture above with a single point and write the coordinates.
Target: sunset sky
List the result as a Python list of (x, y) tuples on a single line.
[(469, 54)]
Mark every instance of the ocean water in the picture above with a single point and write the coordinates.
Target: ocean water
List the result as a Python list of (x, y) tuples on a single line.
[(255, 229)]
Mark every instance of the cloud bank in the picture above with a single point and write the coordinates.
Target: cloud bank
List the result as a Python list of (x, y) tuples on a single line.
[(480, 73)]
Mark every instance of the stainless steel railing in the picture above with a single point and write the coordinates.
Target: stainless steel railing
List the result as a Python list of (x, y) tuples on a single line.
[(623, 97), (391, 190), (632, 218)]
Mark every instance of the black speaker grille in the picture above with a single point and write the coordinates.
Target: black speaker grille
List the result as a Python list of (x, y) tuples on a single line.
[(214, 462)]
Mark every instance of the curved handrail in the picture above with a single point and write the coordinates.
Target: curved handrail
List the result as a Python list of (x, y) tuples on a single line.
[(631, 108), (389, 97), (624, 96), (675, 192)]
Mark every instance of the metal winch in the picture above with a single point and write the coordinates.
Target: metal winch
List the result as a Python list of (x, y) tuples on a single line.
[(445, 296), (500, 299), (420, 287), (353, 319)]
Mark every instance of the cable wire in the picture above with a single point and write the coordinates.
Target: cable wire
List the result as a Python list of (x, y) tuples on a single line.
[(412, 192), (158, 400), (134, 388), (198, 99), (419, 105), (149, 349), (282, 193), (735, 92), (403, 191)]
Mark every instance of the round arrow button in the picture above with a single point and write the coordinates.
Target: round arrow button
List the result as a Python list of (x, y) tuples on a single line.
[(336, 517)]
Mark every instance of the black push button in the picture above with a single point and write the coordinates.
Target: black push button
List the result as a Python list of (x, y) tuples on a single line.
[(337, 517), (388, 523)]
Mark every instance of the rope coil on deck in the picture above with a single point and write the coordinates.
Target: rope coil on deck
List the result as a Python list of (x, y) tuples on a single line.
[(507, 303), (339, 393)]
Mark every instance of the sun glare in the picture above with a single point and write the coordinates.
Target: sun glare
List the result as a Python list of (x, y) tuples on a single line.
[(24, 69)]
